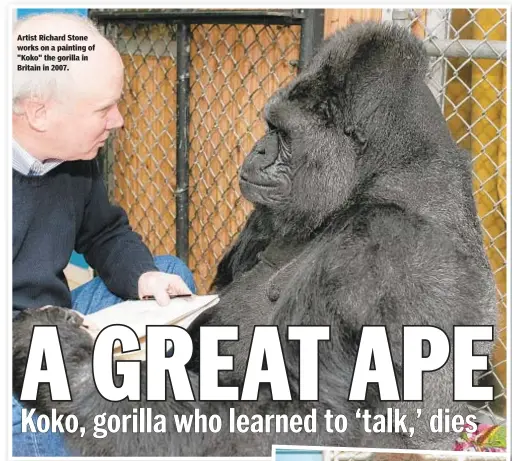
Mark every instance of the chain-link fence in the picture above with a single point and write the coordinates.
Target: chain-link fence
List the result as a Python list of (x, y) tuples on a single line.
[(250, 63), (197, 80)]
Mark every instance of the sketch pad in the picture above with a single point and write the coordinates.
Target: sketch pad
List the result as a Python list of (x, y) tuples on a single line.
[(139, 314)]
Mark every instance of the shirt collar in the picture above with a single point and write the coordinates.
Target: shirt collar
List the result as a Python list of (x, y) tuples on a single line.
[(28, 165)]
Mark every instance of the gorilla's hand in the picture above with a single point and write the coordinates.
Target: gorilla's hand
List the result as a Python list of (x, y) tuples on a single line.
[(77, 343)]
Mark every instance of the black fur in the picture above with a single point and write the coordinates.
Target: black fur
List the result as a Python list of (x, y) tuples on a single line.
[(364, 216)]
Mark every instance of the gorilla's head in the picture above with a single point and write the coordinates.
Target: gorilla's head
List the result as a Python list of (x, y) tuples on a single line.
[(358, 111)]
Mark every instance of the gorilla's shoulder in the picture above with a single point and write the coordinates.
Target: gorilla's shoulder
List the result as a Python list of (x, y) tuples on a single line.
[(388, 219), (391, 227)]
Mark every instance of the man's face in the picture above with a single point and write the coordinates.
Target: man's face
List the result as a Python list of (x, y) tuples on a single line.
[(80, 125)]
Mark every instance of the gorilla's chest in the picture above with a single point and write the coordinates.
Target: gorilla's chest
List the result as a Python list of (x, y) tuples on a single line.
[(253, 298), (255, 294)]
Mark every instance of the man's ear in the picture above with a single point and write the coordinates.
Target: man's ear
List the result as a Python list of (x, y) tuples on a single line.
[(36, 112)]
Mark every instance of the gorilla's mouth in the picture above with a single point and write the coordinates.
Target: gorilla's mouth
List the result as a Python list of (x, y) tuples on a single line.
[(247, 182), (270, 193)]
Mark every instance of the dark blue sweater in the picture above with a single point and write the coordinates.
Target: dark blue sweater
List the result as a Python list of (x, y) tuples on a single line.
[(68, 209)]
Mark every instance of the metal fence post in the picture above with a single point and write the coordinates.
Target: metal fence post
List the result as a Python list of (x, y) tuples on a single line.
[(401, 17), (311, 35), (182, 173)]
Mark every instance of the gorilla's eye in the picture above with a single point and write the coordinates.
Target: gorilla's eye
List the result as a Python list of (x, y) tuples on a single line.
[(271, 128), (283, 140), (284, 143), (283, 137)]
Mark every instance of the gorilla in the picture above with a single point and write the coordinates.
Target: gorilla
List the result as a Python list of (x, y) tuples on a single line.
[(363, 215)]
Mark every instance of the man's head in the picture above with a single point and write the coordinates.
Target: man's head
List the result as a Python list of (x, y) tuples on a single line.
[(65, 114)]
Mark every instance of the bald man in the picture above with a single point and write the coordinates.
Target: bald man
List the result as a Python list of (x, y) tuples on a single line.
[(60, 119)]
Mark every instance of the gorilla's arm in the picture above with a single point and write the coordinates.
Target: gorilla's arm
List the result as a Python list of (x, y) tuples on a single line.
[(387, 268), (242, 255), (77, 348)]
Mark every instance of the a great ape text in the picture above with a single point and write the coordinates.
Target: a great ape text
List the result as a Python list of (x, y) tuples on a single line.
[(266, 343)]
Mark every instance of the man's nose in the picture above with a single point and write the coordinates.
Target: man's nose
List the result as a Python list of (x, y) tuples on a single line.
[(115, 119)]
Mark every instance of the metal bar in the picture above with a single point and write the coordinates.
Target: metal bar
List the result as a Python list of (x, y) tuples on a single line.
[(438, 19), (200, 16), (311, 35), (182, 170), (401, 17), (477, 49), (490, 49)]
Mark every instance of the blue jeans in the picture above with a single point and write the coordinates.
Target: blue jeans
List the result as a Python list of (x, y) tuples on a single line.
[(86, 299)]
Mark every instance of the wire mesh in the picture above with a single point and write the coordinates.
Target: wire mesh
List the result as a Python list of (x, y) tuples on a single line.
[(141, 162), (234, 68)]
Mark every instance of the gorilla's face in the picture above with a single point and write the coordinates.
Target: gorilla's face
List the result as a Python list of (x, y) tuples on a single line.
[(303, 168), (266, 176), (267, 172), (357, 112)]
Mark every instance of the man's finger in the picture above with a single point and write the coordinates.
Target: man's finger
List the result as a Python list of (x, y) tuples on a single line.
[(162, 297), (178, 287)]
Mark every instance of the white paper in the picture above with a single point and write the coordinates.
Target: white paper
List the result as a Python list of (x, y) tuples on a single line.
[(138, 314)]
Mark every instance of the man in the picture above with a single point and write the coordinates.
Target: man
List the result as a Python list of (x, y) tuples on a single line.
[(60, 120)]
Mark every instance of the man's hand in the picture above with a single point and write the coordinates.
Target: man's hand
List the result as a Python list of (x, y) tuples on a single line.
[(161, 286)]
